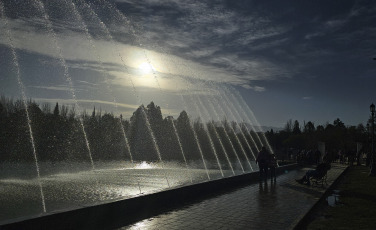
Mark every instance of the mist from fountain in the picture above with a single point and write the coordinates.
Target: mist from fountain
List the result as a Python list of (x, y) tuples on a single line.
[(24, 101), (232, 130), (197, 142), (170, 119), (245, 117), (185, 107), (232, 111), (109, 37), (198, 111), (67, 184), (257, 124), (181, 148), (216, 134), (219, 138), (207, 133), (40, 6), (154, 142), (245, 127)]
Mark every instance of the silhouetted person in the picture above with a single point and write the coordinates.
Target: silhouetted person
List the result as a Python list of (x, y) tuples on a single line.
[(272, 166), (263, 160), (320, 171)]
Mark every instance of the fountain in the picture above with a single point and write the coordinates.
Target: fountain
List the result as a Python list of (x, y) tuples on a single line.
[(111, 134)]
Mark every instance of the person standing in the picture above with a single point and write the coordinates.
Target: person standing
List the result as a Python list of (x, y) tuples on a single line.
[(263, 162), (272, 166)]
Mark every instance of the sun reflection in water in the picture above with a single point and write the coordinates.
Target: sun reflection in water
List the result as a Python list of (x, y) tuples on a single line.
[(144, 165)]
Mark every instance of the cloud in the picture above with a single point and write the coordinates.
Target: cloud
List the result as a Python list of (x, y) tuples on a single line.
[(204, 52), (255, 88), (258, 88), (307, 98), (212, 35), (326, 27), (313, 35), (257, 34), (332, 24), (270, 44), (202, 40), (57, 88), (79, 54), (105, 104)]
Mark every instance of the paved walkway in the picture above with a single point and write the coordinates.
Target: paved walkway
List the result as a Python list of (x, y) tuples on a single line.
[(264, 205)]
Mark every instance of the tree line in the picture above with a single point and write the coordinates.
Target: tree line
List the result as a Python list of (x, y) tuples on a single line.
[(62, 134), (336, 136)]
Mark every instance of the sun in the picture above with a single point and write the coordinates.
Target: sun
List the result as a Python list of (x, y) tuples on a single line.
[(146, 68)]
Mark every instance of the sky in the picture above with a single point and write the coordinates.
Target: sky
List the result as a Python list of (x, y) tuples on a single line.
[(299, 60)]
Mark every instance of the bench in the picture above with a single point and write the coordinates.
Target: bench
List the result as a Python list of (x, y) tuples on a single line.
[(319, 179)]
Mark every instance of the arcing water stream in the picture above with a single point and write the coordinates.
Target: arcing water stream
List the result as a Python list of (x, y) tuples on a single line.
[(213, 149)]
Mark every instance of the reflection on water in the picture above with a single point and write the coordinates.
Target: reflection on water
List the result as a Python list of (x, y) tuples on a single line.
[(144, 165), (66, 187)]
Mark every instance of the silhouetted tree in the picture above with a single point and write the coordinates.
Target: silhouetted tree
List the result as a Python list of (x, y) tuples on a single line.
[(309, 127), (58, 136), (190, 145), (288, 127), (143, 147), (296, 128), (56, 109), (339, 124)]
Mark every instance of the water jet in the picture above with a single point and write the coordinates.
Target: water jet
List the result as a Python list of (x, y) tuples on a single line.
[(100, 145)]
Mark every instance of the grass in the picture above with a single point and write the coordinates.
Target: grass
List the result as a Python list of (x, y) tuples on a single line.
[(357, 203)]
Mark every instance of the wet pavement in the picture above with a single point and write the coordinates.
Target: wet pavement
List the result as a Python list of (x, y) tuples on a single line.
[(261, 205)]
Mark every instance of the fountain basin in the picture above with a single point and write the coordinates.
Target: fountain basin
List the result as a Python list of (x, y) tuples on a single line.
[(117, 213)]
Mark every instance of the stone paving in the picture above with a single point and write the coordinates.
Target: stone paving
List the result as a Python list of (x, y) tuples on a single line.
[(261, 205)]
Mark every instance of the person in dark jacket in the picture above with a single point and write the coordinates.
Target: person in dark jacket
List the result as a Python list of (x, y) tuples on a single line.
[(263, 162)]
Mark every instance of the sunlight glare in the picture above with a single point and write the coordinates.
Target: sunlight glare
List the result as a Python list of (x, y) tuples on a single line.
[(146, 68)]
